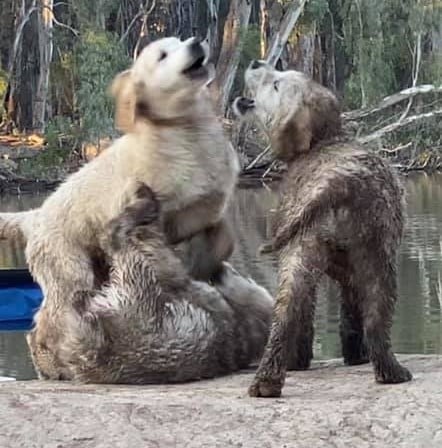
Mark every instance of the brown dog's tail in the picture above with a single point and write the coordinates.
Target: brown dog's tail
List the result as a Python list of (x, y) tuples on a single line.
[(16, 226)]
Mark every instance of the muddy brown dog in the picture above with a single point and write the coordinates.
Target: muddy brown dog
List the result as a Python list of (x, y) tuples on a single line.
[(153, 323), (340, 214)]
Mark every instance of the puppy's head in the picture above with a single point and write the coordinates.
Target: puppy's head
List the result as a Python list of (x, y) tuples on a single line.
[(295, 111), (163, 84)]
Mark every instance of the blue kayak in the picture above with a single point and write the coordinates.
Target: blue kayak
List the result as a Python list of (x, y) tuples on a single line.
[(20, 298)]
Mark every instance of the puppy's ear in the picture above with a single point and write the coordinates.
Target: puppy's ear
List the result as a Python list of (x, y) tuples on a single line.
[(293, 135), (123, 90)]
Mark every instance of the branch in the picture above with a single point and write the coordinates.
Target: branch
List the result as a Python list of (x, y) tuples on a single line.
[(288, 22), (392, 100), (131, 24), (145, 13), (399, 124), (397, 149), (58, 23), (257, 158)]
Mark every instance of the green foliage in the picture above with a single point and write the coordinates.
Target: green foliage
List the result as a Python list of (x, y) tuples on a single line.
[(315, 11), (99, 56), (62, 132), (250, 45), (379, 40), (250, 40)]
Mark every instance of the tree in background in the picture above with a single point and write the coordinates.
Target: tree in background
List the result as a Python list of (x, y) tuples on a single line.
[(57, 58)]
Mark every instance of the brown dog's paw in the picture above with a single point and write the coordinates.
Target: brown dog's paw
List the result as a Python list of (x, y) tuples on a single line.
[(393, 375), (265, 388)]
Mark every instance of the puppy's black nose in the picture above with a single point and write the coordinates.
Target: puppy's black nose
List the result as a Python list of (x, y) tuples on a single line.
[(255, 64)]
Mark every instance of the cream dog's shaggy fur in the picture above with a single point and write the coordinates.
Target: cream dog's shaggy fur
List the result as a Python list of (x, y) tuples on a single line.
[(172, 142)]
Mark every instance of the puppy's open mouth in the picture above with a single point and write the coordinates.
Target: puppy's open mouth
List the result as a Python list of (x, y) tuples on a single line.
[(197, 69)]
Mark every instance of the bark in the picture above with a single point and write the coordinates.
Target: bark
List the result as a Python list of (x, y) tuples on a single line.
[(329, 55), (291, 16), (186, 18), (236, 22), (212, 27), (22, 18), (304, 53), (264, 27), (45, 28), (362, 55)]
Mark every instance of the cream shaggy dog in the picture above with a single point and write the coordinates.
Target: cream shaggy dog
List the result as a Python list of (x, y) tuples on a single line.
[(172, 142)]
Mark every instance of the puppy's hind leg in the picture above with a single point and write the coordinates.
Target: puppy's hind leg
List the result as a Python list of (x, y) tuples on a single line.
[(302, 264), (378, 291)]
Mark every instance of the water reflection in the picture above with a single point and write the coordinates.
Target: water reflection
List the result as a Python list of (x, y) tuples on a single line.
[(417, 325)]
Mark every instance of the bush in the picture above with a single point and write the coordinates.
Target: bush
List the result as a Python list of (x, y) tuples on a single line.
[(99, 56)]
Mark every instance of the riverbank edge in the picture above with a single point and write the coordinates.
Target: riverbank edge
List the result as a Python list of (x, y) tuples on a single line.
[(247, 179)]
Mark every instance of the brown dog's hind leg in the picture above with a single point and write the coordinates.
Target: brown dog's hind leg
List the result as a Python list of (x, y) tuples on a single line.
[(301, 267), (377, 285), (351, 328)]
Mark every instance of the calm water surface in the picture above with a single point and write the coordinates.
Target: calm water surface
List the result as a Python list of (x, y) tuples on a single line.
[(417, 326)]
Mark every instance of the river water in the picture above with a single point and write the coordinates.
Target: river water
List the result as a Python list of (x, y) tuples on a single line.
[(418, 319)]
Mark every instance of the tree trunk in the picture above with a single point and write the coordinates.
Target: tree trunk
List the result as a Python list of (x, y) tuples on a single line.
[(186, 19), (329, 55), (45, 28), (236, 22), (212, 28), (280, 38), (305, 53), (23, 16), (264, 27)]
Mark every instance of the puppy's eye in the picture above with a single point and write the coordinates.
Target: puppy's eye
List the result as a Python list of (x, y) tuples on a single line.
[(163, 55), (276, 85)]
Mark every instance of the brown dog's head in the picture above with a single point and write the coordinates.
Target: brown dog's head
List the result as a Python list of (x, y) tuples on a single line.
[(163, 84), (296, 112)]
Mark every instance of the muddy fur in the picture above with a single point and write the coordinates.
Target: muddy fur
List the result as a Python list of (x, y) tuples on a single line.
[(341, 215), (152, 323), (173, 142)]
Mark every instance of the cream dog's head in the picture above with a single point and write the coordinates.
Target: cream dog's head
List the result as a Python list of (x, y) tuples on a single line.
[(163, 84)]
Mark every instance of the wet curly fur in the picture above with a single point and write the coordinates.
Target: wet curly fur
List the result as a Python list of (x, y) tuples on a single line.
[(340, 214), (152, 323)]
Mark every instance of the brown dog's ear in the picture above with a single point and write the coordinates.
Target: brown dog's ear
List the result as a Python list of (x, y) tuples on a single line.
[(123, 90), (293, 135)]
